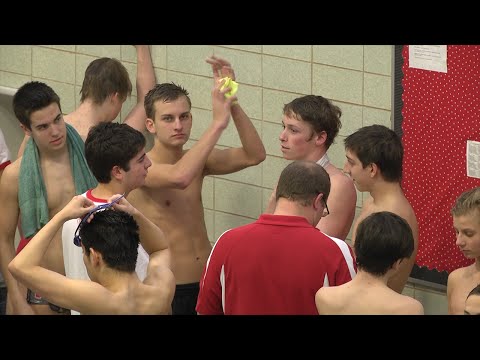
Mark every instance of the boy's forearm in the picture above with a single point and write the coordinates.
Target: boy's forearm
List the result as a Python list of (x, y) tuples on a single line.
[(145, 72), (152, 237), (193, 162), (249, 137)]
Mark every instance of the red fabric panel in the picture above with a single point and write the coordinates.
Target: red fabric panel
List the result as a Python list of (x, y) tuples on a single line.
[(441, 111)]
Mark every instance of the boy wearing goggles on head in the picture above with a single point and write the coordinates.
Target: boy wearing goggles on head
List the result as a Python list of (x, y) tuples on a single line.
[(109, 241)]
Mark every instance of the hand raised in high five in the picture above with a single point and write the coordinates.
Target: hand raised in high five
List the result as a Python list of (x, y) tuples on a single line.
[(221, 104), (221, 68)]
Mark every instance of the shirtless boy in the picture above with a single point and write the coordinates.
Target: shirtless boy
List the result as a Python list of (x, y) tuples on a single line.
[(109, 241), (466, 222), (374, 162), (106, 85), (310, 125), (382, 242), (55, 151), (171, 196)]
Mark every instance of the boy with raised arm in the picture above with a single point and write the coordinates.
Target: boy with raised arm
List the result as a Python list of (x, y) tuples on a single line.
[(106, 86), (171, 196), (109, 241)]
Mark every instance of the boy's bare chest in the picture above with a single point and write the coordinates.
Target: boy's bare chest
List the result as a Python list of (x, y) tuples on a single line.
[(59, 185)]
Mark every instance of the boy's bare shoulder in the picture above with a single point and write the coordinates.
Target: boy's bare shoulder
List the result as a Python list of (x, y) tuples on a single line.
[(12, 171)]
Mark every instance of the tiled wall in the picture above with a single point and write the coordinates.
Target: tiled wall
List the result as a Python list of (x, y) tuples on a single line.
[(434, 300), (357, 78)]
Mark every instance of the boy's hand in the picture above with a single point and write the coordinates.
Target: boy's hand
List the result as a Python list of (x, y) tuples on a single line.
[(78, 207)]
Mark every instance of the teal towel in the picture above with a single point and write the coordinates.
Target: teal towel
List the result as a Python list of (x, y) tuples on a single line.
[(32, 195)]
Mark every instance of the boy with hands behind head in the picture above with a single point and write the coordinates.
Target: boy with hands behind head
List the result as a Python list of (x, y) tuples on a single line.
[(109, 241)]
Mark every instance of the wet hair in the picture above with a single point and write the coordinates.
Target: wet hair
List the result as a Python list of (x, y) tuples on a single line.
[(381, 239), (467, 202), (104, 77), (317, 111), (379, 145), (111, 144), (31, 97), (301, 181), (165, 92), (115, 235)]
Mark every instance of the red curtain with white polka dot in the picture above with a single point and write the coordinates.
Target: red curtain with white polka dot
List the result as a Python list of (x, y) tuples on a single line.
[(441, 111)]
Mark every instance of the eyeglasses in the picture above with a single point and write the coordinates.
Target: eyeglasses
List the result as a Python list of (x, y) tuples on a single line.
[(326, 207), (76, 238)]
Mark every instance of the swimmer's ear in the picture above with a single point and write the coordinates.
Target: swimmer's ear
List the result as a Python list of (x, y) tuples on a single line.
[(150, 125), (95, 257), (320, 138), (396, 264), (374, 169), (116, 172), (26, 130)]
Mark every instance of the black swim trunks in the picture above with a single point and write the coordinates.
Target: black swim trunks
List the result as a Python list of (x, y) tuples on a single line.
[(185, 299)]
